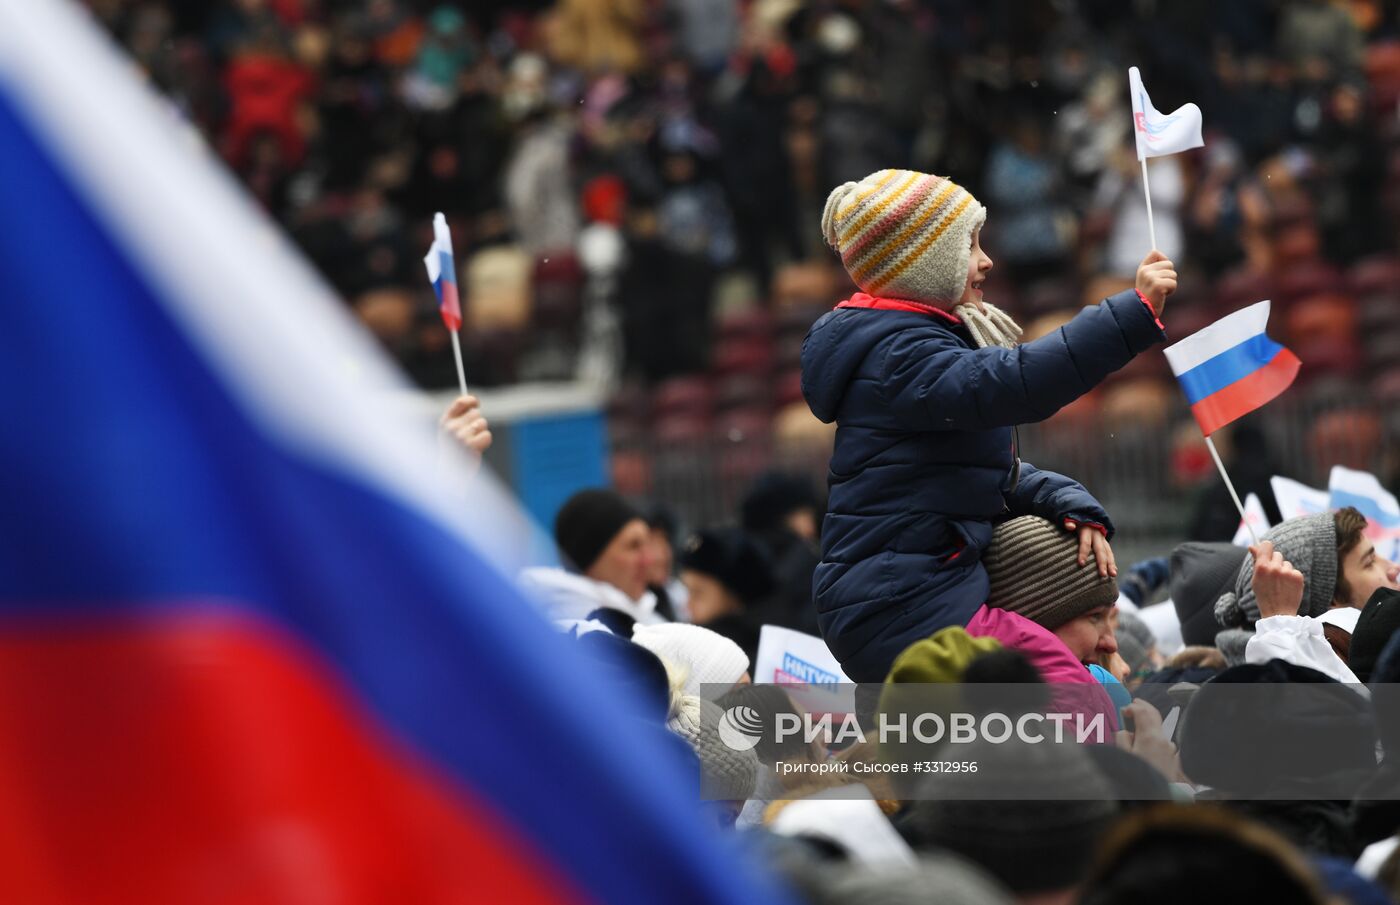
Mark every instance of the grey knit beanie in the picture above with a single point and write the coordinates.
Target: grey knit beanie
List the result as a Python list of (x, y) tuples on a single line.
[(1033, 569), (1135, 640), (1310, 544), (725, 774)]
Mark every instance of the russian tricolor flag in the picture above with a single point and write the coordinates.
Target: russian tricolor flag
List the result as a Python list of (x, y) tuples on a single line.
[(442, 272), (250, 650), (1231, 368)]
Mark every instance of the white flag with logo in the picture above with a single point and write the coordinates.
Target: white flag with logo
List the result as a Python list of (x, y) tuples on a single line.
[(1159, 134)]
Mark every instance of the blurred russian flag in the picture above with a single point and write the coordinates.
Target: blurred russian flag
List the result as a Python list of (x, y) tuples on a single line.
[(248, 650)]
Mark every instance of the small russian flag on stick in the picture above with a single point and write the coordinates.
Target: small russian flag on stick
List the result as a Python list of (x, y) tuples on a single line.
[(1228, 370), (442, 272)]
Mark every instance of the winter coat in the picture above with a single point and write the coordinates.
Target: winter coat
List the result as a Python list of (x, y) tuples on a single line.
[(1048, 654), (924, 463)]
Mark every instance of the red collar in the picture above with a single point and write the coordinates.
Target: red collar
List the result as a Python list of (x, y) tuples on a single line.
[(862, 300)]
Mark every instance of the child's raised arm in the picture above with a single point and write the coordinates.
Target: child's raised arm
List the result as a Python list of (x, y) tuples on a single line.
[(934, 382)]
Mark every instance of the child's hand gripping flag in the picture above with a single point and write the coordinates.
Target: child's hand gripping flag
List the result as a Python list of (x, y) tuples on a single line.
[(443, 274), (1159, 134), (1231, 368)]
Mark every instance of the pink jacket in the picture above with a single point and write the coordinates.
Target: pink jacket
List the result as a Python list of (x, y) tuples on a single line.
[(1047, 654)]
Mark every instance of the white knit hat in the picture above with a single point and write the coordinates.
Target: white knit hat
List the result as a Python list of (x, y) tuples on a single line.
[(725, 774), (705, 655)]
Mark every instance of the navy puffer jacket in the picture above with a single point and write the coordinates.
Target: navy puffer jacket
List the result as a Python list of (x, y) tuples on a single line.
[(923, 464)]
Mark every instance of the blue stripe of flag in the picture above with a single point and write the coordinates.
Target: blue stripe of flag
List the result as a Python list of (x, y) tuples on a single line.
[(1236, 363)]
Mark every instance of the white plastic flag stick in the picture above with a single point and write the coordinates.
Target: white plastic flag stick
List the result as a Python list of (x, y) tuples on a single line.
[(457, 352), (1210, 444), (1147, 193), (1159, 134)]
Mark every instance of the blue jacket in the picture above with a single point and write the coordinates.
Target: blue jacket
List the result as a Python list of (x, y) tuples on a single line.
[(924, 466)]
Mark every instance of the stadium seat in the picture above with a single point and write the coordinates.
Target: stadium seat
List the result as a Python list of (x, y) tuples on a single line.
[(1376, 274), (752, 324), (689, 395), (1305, 278), (743, 356), (1382, 350), (1378, 312), (741, 390), (682, 429), (1241, 287)]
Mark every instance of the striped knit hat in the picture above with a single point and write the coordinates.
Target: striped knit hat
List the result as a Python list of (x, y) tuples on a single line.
[(1033, 569), (903, 234)]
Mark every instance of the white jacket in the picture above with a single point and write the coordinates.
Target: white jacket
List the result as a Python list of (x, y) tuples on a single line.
[(565, 596)]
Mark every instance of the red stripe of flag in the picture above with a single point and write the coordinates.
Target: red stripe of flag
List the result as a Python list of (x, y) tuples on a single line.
[(1246, 394), (448, 305), (208, 760)]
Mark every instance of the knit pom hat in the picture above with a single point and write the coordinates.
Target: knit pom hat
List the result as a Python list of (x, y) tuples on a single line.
[(1310, 544), (1135, 641), (587, 523), (903, 234), (725, 774), (706, 656), (1034, 570)]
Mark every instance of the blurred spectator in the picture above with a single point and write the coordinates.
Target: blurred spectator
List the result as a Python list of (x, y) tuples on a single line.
[(783, 512), (1029, 218)]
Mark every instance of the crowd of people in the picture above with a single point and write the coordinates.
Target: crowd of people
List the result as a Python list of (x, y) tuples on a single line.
[(1262, 649), (636, 186), (643, 173), (1308, 618), (672, 157), (1277, 772)]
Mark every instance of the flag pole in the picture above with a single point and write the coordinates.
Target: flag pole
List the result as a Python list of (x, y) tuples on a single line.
[(462, 374), (1152, 232), (1214, 454)]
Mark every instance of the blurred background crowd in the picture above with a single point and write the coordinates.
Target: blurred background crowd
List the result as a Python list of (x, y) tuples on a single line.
[(635, 189)]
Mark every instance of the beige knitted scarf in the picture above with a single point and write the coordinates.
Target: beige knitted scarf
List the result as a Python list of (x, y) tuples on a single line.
[(989, 327)]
